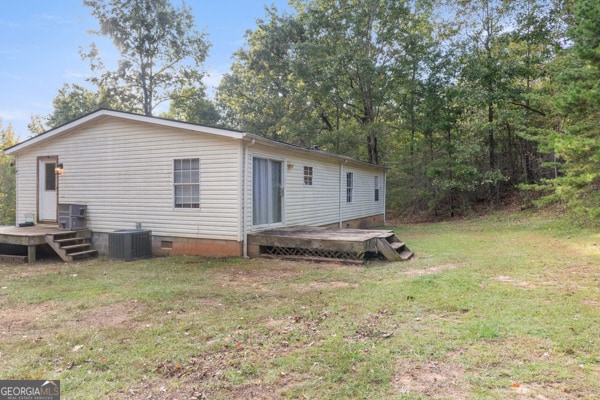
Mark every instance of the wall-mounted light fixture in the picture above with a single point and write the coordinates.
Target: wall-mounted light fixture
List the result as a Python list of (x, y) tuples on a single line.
[(59, 169)]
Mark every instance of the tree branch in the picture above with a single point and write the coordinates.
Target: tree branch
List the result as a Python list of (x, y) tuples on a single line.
[(528, 108)]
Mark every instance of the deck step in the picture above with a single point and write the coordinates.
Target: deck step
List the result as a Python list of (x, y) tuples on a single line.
[(386, 234), (65, 235), (406, 255), (70, 246), (76, 246), (397, 245), (88, 253), (69, 240), (385, 248)]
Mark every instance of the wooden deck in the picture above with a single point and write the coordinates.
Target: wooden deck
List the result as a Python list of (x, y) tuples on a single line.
[(30, 236), (317, 243)]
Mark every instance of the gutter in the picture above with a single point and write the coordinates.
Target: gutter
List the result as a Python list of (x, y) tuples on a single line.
[(384, 197)]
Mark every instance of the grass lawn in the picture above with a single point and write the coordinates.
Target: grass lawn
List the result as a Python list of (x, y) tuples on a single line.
[(501, 307)]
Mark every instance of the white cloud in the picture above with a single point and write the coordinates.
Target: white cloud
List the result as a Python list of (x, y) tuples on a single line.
[(14, 114), (11, 76), (74, 75), (55, 19), (18, 119)]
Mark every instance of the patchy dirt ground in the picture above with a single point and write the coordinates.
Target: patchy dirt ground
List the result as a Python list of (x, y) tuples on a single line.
[(207, 375), (432, 379), (431, 270)]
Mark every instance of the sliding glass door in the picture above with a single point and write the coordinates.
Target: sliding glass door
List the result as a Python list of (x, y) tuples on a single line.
[(267, 191)]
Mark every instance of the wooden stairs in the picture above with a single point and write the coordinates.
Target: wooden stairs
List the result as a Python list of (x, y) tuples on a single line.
[(392, 248), (71, 245)]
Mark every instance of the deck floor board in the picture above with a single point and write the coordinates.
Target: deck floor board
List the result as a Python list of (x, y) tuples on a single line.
[(319, 233), (27, 235)]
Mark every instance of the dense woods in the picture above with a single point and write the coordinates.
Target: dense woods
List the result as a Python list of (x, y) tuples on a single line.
[(466, 101)]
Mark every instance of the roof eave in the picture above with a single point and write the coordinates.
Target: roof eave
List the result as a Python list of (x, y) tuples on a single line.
[(314, 152), (123, 115)]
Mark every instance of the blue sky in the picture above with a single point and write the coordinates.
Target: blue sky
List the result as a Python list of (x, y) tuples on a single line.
[(40, 41)]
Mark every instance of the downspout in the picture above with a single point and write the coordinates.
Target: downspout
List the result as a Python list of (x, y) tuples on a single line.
[(245, 199), (384, 196), (340, 197)]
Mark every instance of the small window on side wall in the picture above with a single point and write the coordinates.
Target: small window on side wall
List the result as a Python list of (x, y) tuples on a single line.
[(308, 175), (186, 183), (349, 186), (376, 184)]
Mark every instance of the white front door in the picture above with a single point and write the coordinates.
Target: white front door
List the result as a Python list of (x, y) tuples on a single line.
[(47, 186)]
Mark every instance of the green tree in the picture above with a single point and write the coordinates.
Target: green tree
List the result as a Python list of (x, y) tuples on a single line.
[(485, 74), (576, 141), (505, 48), (72, 102), (190, 104), (37, 124), (332, 68), (159, 47), (353, 59), (452, 95), (7, 177), (530, 48), (262, 94)]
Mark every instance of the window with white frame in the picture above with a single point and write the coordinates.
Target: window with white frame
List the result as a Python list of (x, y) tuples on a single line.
[(308, 175), (186, 182), (376, 184), (349, 186)]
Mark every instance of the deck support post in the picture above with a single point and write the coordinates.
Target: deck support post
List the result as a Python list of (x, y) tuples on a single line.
[(31, 253)]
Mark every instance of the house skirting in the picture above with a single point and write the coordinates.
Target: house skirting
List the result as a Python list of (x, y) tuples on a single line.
[(169, 245), (371, 221), (165, 245)]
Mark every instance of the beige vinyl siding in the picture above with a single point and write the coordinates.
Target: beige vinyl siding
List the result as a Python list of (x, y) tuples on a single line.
[(26, 188), (315, 204), (123, 171), (363, 194), (319, 203), (121, 167)]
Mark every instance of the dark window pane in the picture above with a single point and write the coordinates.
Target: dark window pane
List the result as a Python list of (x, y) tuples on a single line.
[(50, 177)]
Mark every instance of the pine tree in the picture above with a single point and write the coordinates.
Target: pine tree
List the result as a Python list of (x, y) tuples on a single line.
[(577, 141)]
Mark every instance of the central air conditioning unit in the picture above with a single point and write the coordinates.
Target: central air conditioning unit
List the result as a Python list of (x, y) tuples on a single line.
[(130, 244)]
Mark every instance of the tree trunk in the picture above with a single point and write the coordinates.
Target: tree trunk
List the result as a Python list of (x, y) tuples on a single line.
[(372, 148), (491, 139)]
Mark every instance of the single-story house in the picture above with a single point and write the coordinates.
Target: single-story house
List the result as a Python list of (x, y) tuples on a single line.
[(200, 190)]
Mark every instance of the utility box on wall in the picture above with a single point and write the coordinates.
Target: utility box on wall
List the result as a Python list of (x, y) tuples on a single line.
[(130, 244)]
